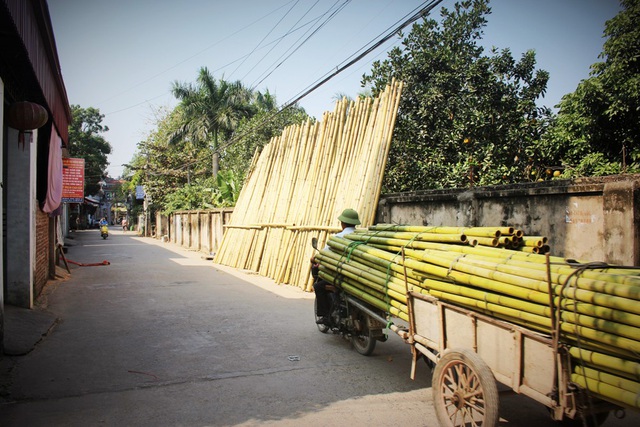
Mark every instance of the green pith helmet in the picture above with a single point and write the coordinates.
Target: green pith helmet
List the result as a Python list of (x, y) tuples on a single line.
[(349, 216)]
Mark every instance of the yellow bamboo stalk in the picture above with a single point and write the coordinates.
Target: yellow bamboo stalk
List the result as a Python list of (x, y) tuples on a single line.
[(614, 380), (297, 181), (607, 391), (598, 359)]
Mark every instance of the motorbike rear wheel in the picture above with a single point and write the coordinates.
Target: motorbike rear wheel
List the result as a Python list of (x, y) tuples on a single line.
[(363, 341)]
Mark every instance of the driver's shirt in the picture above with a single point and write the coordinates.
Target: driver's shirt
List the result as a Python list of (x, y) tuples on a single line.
[(347, 230)]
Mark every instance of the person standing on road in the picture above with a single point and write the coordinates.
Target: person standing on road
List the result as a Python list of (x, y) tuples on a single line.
[(124, 224), (348, 220)]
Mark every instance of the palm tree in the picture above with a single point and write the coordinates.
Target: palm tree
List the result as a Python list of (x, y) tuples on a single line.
[(265, 101), (212, 111)]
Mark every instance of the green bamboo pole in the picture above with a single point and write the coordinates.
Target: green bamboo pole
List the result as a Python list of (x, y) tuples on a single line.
[(614, 380), (532, 261), (531, 284), (607, 391), (602, 286), (365, 296), (469, 231), (598, 359), (367, 277), (615, 341)]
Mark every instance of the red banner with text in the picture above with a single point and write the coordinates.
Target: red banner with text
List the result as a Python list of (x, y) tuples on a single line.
[(72, 180)]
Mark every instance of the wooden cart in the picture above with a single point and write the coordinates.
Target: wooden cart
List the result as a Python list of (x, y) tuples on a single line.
[(471, 352)]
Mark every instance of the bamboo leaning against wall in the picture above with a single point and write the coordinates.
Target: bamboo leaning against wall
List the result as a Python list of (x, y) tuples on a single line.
[(592, 308), (302, 180)]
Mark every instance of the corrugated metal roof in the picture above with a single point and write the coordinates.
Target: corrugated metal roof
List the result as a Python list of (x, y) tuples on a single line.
[(29, 47)]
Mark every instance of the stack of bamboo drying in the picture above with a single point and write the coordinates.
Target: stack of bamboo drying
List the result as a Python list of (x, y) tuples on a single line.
[(302, 180), (596, 311)]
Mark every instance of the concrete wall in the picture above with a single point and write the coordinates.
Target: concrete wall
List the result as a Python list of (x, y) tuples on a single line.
[(196, 230), (591, 219)]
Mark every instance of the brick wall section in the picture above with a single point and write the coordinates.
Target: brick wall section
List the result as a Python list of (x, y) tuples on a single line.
[(42, 252)]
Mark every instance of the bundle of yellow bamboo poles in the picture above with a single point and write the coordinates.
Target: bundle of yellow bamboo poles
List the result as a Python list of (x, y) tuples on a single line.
[(301, 182), (594, 311)]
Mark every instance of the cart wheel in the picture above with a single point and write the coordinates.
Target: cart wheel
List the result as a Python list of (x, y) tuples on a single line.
[(322, 328), (464, 390), (363, 340)]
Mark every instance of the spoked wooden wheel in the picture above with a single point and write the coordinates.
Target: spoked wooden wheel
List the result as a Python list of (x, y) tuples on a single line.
[(464, 391)]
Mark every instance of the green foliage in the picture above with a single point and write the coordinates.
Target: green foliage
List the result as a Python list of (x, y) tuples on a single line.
[(86, 142), (464, 118), (162, 167), (204, 194), (173, 162), (597, 130), (211, 111)]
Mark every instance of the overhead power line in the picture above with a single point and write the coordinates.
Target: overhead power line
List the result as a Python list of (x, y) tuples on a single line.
[(422, 12), (296, 48), (364, 51)]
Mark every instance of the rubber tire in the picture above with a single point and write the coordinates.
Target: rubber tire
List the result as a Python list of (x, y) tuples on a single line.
[(322, 328), (364, 343), (447, 384)]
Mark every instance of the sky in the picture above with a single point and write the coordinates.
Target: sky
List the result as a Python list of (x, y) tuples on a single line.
[(123, 56)]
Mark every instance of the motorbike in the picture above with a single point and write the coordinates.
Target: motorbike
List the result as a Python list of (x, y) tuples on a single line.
[(104, 231), (349, 317)]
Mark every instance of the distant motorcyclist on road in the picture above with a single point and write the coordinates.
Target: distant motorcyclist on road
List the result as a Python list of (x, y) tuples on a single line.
[(348, 221), (104, 228)]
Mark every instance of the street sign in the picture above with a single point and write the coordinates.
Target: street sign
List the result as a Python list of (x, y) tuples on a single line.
[(139, 192)]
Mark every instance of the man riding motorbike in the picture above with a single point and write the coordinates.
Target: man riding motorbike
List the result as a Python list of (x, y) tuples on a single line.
[(348, 221), (104, 228)]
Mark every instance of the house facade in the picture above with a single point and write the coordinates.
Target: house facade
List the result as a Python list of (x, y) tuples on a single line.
[(34, 121)]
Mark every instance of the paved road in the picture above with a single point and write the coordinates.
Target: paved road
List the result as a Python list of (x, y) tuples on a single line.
[(161, 337)]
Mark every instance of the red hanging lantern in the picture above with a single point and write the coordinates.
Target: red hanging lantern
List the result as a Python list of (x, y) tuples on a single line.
[(26, 116)]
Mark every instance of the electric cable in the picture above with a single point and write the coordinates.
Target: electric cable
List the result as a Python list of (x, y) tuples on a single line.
[(191, 57), (241, 58), (266, 35), (364, 51), (368, 50), (333, 14), (425, 10)]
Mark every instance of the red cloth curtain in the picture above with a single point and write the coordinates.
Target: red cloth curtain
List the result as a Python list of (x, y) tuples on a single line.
[(54, 175)]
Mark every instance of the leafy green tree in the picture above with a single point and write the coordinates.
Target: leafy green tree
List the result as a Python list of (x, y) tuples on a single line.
[(211, 111), (204, 194), (597, 129), (87, 142), (464, 118), (173, 174), (162, 167)]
